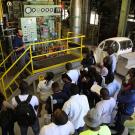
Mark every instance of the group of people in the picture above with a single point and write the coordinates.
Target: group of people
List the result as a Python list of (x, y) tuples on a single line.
[(74, 108)]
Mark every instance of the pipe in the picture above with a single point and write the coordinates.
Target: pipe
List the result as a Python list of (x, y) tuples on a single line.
[(85, 17), (76, 16)]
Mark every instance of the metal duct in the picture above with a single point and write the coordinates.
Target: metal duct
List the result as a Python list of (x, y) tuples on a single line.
[(76, 16)]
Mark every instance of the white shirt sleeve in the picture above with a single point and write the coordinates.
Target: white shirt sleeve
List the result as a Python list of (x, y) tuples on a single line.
[(14, 103), (99, 110), (42, 131), (66, 108), (72, 128), (34, 101), (114, 61)]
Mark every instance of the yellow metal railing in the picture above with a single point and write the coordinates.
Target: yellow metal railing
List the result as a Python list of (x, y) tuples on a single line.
[(58, 49), (6, 59)]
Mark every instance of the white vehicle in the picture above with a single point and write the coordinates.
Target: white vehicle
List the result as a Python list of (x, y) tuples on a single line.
[(120, 45)]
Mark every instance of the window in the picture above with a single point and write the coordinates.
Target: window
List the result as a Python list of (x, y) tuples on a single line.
[(94, 18), (125, 44), (107, 45), (111, 44)]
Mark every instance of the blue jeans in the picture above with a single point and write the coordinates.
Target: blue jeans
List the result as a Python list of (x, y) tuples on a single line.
[(35, 128)]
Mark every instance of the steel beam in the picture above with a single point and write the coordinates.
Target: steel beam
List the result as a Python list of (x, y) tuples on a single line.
[(125, 7)]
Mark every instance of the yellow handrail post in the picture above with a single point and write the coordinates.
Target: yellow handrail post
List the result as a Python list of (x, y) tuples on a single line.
[(31, 60), (67, 43), (81, 47), (1, 50), (10, 89), (6, 58), (3, 88)]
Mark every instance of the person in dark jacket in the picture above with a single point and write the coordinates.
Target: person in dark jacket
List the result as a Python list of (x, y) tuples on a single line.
[(6, 116), (126, 105), (56, 100), (88, 60), (67, 84)]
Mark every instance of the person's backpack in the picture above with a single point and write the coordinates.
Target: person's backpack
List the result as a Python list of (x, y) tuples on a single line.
[(25, 113)]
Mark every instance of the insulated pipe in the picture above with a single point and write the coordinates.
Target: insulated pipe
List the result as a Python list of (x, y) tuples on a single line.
[(85, 17), (76, 16)]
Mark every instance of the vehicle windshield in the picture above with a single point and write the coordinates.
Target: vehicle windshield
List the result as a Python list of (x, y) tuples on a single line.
[(111, 44)]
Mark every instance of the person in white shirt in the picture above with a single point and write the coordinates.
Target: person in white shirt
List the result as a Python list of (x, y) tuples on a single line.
[(105, 107), (113, 86), (72, 73), (76, 108), (112, 59), (44, 86), (44, 89), (60, 125), (34, 103)]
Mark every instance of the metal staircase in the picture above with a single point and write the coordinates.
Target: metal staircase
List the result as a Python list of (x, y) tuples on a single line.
[(55, 56)]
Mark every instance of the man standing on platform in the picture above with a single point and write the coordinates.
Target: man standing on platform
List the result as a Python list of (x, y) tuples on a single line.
[(19, 46)]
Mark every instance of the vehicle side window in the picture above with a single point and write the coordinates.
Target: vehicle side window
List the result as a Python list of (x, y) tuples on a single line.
[(107, 45), (125, 44), (129, 44), (111, 44)]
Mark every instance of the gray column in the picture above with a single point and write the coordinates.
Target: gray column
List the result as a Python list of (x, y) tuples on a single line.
[(125, 7)]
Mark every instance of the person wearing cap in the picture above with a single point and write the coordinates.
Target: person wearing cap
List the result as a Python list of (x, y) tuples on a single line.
[(76, 108), (72, 73), (92, 125), (60, 125)]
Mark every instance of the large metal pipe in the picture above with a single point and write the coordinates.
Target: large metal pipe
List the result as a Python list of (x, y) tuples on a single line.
[(85, 16), (76, 16)]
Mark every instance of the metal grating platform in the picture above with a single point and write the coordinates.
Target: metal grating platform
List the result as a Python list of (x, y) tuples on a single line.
[(48, 62)]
